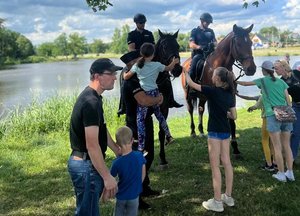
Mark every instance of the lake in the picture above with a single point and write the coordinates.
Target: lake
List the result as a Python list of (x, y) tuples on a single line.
[(21, 83)]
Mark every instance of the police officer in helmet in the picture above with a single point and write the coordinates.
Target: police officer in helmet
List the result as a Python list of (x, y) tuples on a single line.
[(201, 40), (140, 35)]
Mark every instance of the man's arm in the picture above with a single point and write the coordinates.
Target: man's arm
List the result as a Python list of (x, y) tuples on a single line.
[(131, 47), (146, 100), (112, 145), (194, 46), (95, 153)]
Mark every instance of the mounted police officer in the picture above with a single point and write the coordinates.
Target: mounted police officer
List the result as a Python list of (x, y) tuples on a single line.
[(202, 41), (140, 35), (135, 40)]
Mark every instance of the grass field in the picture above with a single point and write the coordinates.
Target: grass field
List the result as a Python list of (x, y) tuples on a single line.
[(34, 148)]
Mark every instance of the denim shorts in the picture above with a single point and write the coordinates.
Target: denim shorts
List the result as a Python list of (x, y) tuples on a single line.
[(218, 136), (273, 125)]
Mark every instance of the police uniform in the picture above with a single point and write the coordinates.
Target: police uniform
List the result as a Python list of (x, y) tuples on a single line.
[(140, 37), (201, 37), (130, 88)]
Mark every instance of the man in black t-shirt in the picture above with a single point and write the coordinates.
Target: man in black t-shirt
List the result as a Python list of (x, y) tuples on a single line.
[(89, 140), (134, 94)]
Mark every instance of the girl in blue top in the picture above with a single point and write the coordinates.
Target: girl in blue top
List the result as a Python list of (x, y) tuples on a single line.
[(147, 71)]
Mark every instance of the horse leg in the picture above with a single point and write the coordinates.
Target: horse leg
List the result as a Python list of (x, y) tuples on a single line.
[(190, 108), (234, 144), (164, 108), (201, 109)]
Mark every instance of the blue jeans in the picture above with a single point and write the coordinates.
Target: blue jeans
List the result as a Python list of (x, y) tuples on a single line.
[(295, 137), (273, 125), (88, 185), (127, 207), (218, 135)]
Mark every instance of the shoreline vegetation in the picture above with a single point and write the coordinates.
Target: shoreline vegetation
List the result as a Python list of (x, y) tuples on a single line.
[(35, 147), (272, 51)]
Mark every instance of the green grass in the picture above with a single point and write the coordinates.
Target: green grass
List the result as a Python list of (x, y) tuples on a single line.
[(34, 180)]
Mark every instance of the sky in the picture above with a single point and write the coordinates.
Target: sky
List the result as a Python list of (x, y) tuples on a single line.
[(44, 20)]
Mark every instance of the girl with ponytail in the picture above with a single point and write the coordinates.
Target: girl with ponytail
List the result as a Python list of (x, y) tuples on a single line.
[(275, 93), (221, 106), (147, 71)]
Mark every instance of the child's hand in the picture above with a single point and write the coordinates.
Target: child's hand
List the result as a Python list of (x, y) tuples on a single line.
[(175, 60), (252, 108), (187, 77)]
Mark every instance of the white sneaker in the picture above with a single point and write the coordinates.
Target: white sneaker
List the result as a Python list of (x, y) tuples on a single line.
[(213, 205), (229, 201), (289, 175), (279, 176)]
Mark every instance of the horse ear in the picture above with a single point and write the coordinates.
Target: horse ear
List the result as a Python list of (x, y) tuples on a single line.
[(235, 28), (176, 34), (249, 29), (160, 33)]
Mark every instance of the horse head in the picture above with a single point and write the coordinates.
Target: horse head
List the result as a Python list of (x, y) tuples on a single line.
[(166, 49), (241, 49)]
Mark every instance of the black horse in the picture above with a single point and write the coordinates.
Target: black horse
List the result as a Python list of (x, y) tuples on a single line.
[(236, 46), (166, 49)]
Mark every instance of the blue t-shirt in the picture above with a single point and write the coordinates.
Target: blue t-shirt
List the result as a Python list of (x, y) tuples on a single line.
[(148, 74), (129, 170)]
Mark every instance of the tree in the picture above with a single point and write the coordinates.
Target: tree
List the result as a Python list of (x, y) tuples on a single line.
[(119, 40), (99, 5), (254, 3), (77, 44), (2, 23), (61, 45), (98, 46), (45, 49), (25, 47)]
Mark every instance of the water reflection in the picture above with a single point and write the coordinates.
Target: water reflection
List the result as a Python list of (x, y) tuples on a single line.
[(20, 84)]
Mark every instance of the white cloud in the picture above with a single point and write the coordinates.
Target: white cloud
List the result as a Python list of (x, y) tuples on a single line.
[(292, 9)]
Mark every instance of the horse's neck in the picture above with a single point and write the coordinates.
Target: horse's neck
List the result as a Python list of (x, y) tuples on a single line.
[(223, 58)]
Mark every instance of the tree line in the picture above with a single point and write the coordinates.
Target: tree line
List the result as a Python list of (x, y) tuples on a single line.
[(15, 47)]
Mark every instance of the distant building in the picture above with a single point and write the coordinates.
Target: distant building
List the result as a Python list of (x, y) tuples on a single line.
[(259, 41)]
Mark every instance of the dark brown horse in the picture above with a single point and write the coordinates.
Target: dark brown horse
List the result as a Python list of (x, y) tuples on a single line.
[(236, 46)]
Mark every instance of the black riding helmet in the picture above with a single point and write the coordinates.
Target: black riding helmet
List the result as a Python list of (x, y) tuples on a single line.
[(206, 17), (139, 18)]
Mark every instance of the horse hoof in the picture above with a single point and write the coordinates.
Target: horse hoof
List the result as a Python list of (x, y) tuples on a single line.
[(202, 135), (193, 135), (163, 166)]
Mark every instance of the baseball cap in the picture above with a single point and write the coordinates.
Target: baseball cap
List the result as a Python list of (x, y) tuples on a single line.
[(128, 57), (103, 64), (268, 65), (296, 70)]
